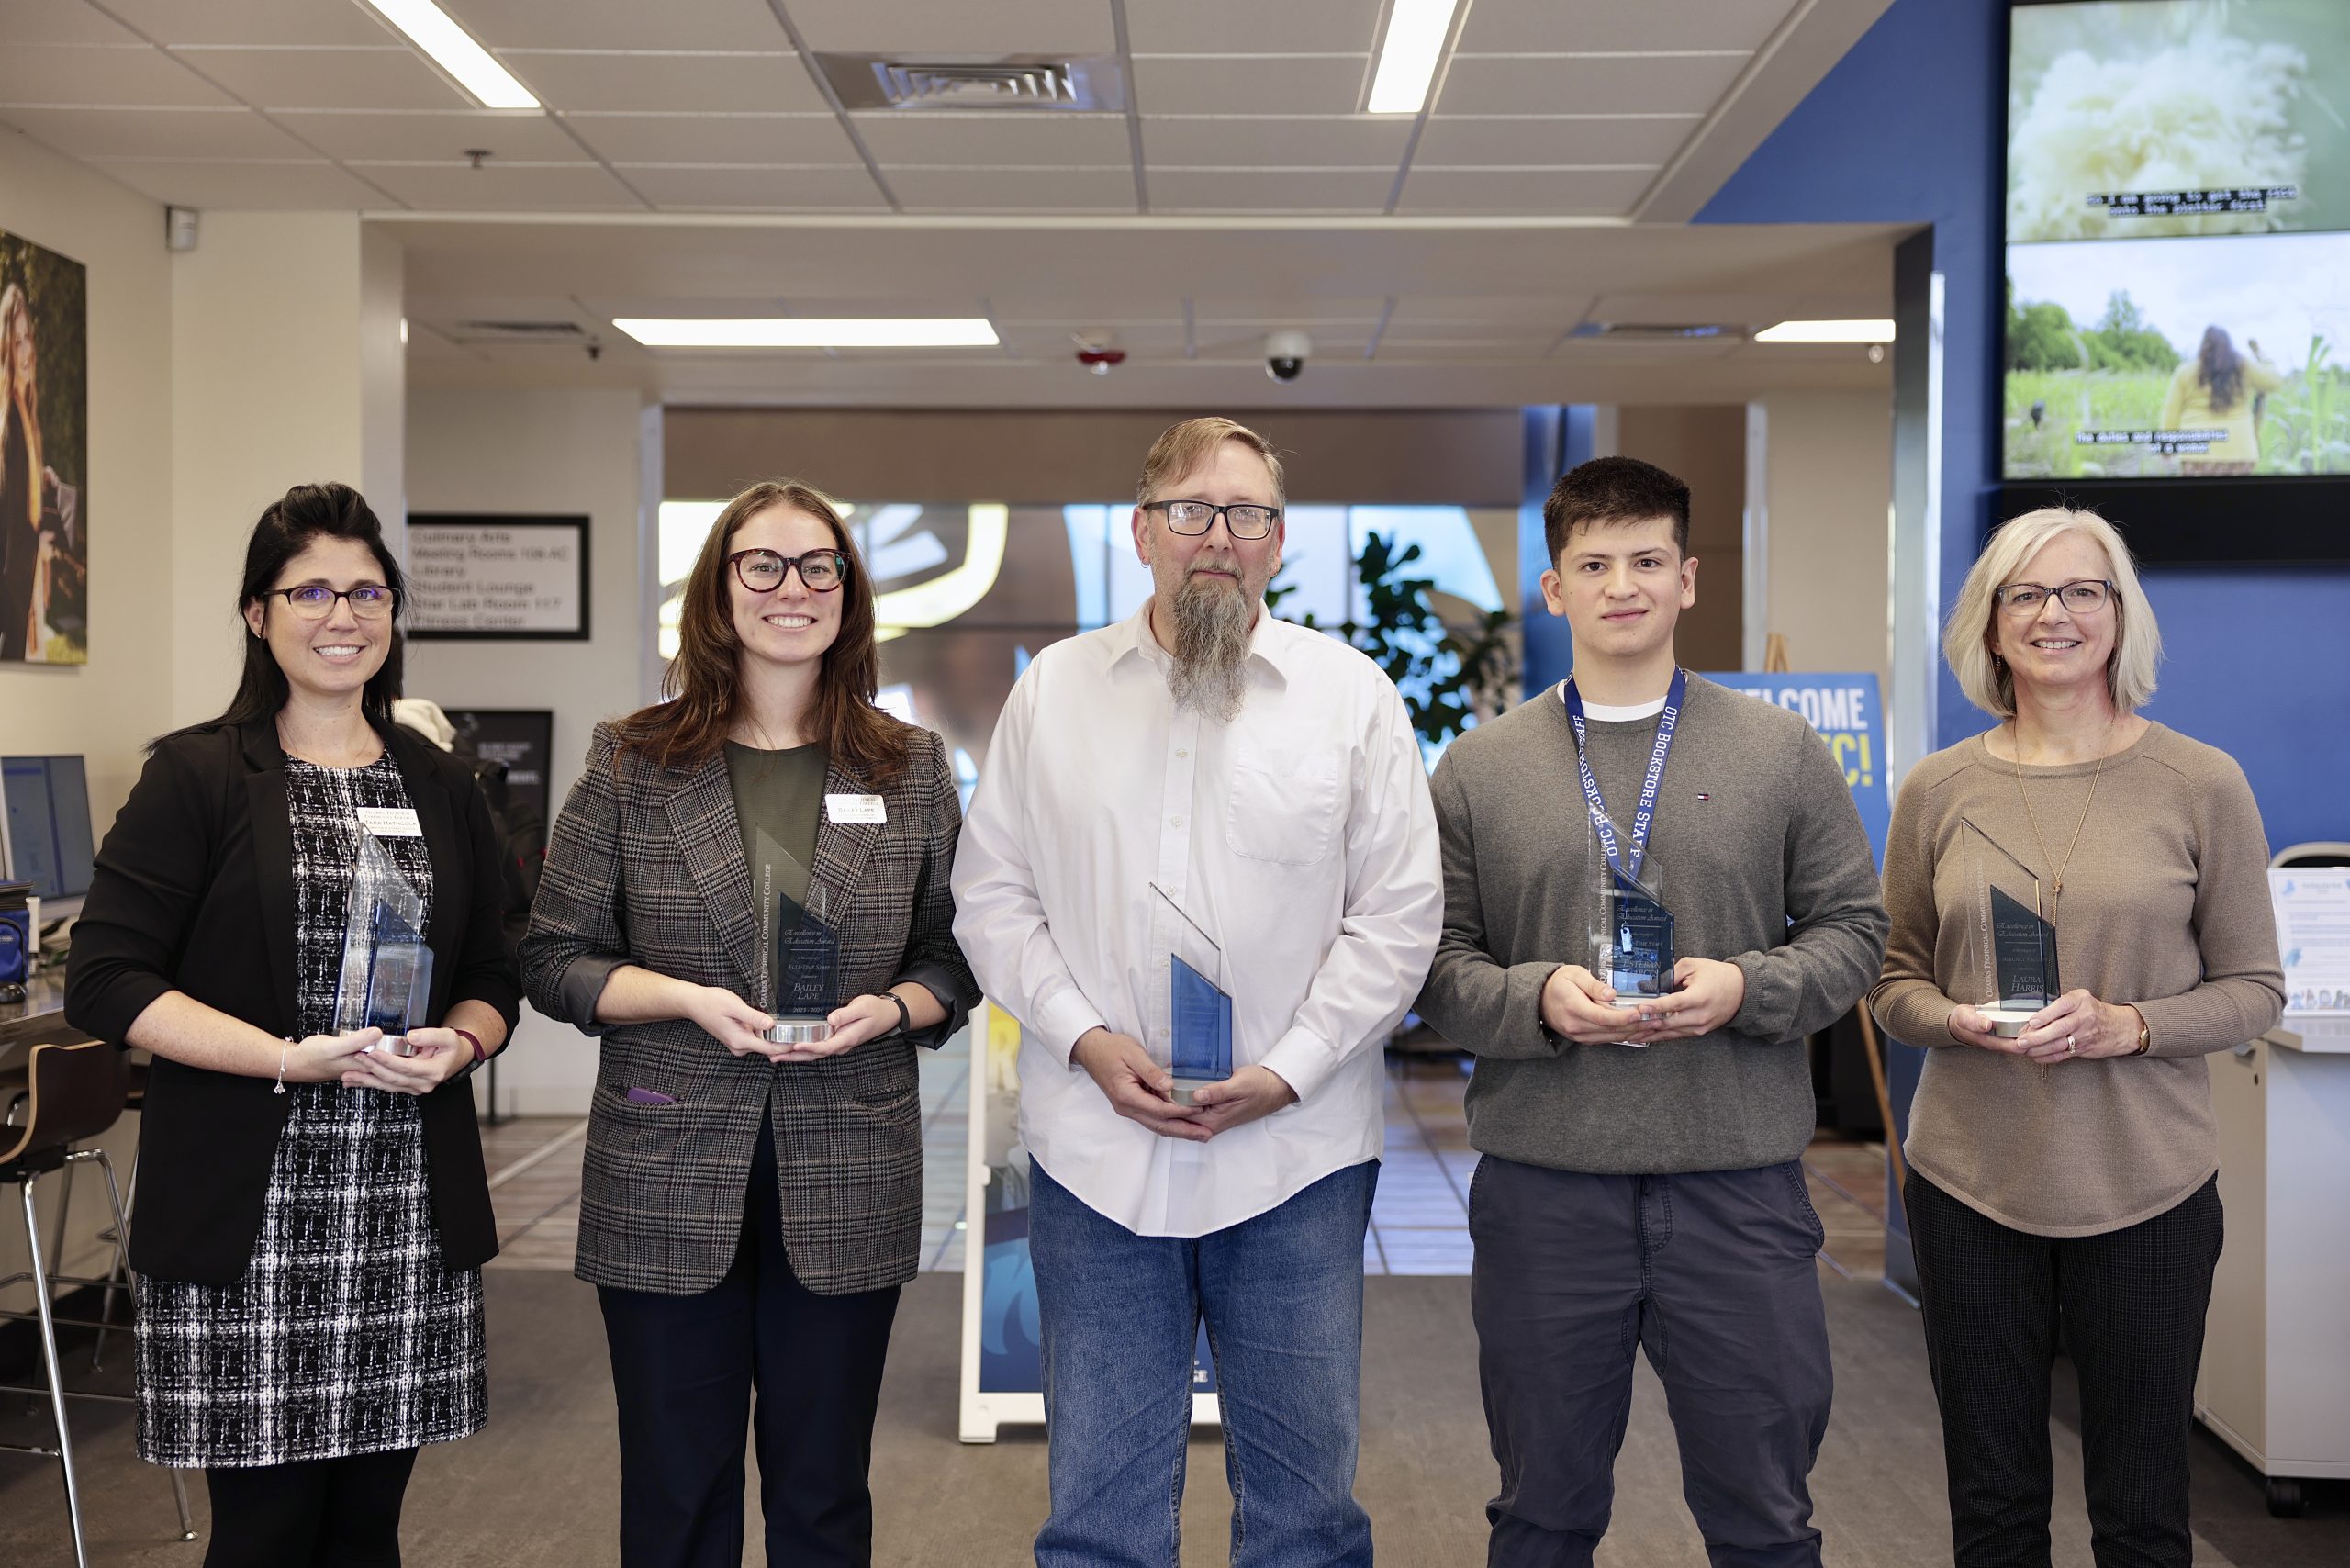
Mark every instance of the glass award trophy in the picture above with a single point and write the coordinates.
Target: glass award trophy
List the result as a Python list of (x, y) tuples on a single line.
[(387, 978), (1631, 938), (1192, 1038), (804, 953), (2016, 941)]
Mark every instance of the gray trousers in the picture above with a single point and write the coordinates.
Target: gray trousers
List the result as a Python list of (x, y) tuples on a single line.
[(1712, 1275)]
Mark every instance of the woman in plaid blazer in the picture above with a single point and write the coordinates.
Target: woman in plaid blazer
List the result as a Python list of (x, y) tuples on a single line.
[(751, 1209)]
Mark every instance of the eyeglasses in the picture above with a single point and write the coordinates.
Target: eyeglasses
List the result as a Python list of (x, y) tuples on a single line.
[(2085, 597), (315, 601), (1194, 518), (762, 571)]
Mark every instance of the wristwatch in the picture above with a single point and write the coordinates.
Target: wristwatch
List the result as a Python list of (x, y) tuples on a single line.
[(905, 1018)]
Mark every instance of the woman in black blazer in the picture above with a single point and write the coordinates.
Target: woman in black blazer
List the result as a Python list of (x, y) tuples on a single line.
[(315, 1215), (751, 1208)]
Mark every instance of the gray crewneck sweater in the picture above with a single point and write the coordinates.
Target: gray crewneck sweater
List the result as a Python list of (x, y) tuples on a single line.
[(1763, 863)]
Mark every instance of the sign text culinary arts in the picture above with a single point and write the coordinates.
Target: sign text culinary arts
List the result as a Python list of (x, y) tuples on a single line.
[(484, 577)]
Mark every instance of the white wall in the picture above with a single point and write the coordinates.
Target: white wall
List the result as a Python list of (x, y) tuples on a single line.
[(1829, 463), (551, 452), (107, 709)]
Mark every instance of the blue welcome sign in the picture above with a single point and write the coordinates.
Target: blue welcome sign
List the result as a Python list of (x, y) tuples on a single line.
[(1850, 716)]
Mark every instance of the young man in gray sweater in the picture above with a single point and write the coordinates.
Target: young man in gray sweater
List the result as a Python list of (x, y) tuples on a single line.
[(1641, 1181)]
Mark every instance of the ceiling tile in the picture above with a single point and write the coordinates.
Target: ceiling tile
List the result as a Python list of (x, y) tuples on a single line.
[(312, 185), (927, 26), (157, 133), (170, 22), (1543, 192), (84, 76), (545, 188), (676, 83), (743, 185), (1544, 139), (1330, 343), (1224, 316), (1360, 140), (1395, 345), (716, 137), (619, 23), (760, 140), (1496, 86), (1220, 26), (1007, 137), (1512, 26), (1252, 83), (1013, 189), (1257, 190), (59, 21), (1439, 315), (388, 78), (526, 137), (1056, 340)]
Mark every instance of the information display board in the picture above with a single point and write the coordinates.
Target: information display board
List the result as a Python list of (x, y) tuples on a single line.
[(504, 579), (1847, 710)]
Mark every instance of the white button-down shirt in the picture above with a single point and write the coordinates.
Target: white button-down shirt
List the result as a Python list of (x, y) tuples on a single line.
[(1300, 838)]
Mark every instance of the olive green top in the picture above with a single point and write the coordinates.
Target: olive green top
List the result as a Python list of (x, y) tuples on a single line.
[(2164, 908), (779, 800)]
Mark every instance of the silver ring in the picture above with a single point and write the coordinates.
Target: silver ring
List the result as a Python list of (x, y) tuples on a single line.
[(2068, 1045)]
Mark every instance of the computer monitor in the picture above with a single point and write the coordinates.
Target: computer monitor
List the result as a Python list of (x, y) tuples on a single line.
[(48, 829)]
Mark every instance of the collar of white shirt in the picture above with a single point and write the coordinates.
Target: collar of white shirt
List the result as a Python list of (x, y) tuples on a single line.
[(1138, 647)]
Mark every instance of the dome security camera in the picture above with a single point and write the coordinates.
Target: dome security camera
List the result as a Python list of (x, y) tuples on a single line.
[(1286, 354)]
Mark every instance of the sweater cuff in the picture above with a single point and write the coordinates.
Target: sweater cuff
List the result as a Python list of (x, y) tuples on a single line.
[(1760, 1013)]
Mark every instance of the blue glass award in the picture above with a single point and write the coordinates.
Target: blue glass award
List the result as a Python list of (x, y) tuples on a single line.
[(803, 953), (1194, 1039), (2014, 939), (386, 981)]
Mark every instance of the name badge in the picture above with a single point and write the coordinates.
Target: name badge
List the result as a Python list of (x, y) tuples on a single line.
[(391, 821), (855, 809)]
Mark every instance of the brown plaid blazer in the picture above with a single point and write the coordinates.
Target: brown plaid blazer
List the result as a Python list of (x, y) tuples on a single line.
[(646, 868)]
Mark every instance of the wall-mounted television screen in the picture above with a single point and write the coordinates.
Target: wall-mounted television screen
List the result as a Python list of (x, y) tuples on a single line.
[(2178, 242)]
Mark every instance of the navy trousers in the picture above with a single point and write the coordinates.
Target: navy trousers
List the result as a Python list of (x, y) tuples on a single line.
[(685, 1369), (1712, 1275)]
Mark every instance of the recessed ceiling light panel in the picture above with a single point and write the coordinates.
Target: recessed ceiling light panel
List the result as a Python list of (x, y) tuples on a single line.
[(429, 27), (1858, 331), (810, 333)]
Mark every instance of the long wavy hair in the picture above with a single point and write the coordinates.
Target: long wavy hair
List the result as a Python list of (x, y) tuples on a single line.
[(2217, 367), (702, 687), (285, 529)]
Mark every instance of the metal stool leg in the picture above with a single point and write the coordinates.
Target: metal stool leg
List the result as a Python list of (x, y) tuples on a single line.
[(56, 1375), (64, 1206), (119, 1273)]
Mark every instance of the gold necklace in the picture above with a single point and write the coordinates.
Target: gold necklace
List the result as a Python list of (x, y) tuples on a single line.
[(2057, 888)]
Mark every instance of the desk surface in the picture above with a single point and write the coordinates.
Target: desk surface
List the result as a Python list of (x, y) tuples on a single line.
[(2312, 1037), (41, 1016)]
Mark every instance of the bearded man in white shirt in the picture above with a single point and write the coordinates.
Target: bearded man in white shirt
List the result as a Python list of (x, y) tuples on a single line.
[(1202, 780)]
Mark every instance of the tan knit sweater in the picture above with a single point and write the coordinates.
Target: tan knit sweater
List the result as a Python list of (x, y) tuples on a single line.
[(2165, 907)]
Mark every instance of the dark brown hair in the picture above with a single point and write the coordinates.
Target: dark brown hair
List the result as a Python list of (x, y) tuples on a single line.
[(1609, 490), (702, 682), (2218, 367)]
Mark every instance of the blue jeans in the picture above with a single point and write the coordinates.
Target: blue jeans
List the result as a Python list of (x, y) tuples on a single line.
[(1283, 1296)]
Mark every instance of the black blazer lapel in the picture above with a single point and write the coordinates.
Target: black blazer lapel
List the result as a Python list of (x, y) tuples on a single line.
[(273, 830), (709, 838)]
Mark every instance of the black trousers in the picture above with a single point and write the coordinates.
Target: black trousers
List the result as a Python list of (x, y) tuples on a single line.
[(325, 1513), (686, 1368), (1712, 1276), (2130, 1303)]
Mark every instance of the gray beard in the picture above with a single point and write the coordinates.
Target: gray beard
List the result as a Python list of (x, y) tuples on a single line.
[(1211, 652)]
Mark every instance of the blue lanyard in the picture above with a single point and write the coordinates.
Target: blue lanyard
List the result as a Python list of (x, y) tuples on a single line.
[(1673, 697)]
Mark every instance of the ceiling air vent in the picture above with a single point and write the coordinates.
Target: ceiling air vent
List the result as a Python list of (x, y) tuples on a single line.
[(975, 81), (519, 332)]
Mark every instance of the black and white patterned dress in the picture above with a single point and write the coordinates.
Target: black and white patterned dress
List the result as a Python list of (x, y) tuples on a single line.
[(345, 1335)]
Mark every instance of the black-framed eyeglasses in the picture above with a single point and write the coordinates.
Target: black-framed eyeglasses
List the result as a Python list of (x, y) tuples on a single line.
[(315, 601), (762, 571), (2083, 596), (1194, 518)]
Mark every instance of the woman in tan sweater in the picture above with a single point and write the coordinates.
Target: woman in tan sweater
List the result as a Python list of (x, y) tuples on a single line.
[(2068, 1173)]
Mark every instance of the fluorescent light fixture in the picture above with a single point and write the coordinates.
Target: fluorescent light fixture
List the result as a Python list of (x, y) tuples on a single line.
[(429, 27), (1879, 331), (811, 332), (1407, 59)]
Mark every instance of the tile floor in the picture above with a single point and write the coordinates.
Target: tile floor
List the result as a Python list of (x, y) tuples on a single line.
[(1419, 1224)]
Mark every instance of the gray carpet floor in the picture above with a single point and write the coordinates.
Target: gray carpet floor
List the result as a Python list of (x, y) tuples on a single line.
[(540, 1486)]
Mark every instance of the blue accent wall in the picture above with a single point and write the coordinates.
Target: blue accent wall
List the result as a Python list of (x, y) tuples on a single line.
[(1906, 128)]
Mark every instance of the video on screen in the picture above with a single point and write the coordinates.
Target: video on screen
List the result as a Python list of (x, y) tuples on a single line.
[(2178, 240)]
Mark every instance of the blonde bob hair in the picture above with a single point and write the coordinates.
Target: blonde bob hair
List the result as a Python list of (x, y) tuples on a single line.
[(1966, 640)]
